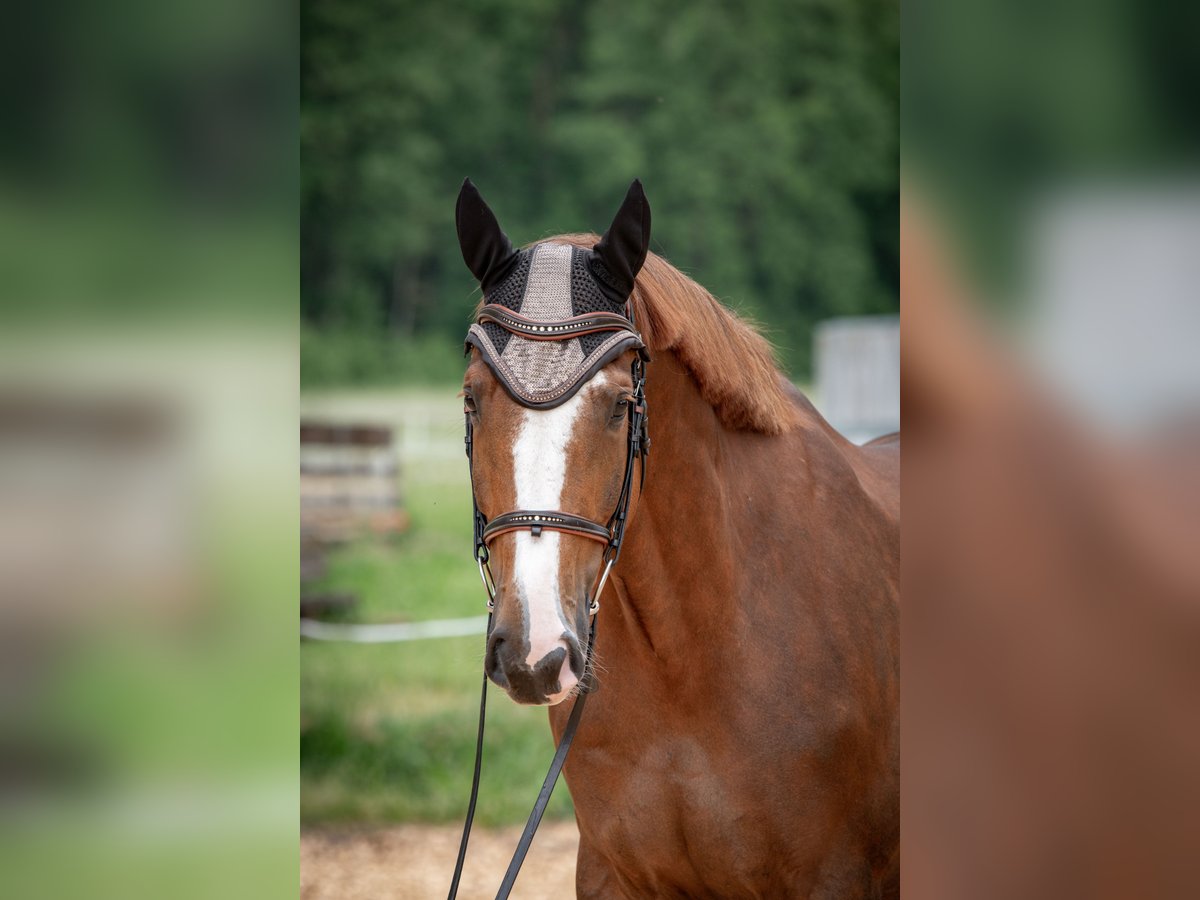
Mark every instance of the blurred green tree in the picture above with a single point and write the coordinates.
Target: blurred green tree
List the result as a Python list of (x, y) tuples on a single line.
[(766, 135)]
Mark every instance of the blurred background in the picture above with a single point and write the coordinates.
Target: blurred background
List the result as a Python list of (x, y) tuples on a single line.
[(766, 137)]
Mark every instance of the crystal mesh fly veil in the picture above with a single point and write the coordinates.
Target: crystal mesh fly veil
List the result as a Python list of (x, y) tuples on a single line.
[(558, 330)]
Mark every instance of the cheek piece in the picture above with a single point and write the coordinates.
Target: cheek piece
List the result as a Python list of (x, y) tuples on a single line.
[(543, 362)]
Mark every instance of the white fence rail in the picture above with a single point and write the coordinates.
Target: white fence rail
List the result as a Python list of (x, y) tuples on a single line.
[(392, 632)]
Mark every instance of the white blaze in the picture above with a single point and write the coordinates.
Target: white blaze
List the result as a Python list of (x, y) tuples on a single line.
[(540, 470)]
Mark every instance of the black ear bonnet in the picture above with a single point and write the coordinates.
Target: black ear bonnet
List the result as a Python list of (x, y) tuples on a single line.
[(553, 314)]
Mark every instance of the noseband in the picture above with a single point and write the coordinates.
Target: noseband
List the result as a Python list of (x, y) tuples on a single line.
[(611, 534)]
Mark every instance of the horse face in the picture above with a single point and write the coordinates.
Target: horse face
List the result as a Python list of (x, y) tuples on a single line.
[(551, 436), (570, 458)]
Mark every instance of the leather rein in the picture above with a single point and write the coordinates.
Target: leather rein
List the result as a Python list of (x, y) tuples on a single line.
[(611, 534)]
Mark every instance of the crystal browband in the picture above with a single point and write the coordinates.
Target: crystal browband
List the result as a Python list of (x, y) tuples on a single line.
[(561, 330)]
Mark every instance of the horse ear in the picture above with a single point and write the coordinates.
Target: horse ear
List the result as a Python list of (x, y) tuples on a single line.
[(623, 247), (486, 250)]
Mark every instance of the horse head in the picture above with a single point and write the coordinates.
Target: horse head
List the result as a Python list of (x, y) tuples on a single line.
[(554, 411)]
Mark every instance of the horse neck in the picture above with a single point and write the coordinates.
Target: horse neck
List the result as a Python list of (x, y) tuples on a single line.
[(677, 571)]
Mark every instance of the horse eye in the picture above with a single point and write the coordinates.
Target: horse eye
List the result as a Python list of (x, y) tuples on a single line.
[(469, 403), (620, 409)]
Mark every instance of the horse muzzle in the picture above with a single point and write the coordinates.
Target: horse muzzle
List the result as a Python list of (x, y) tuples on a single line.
[(546, 680)]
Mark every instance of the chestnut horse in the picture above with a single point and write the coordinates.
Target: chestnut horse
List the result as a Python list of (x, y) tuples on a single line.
[(742, 736)]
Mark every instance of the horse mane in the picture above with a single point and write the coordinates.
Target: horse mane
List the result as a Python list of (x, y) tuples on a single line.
[(731, 363)]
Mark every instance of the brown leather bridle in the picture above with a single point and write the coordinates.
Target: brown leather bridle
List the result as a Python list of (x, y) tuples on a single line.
[(536, 521), (611, 534)]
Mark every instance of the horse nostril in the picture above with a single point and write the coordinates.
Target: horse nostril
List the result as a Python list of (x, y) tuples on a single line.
[(491, 662)]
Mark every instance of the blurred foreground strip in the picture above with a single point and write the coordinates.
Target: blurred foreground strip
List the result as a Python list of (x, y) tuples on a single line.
[(1052, 628), (148, 346)]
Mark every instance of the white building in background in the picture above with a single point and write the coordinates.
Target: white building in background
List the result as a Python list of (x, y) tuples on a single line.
[(858, 375)]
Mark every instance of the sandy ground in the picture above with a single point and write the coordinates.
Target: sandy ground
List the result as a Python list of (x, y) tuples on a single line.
[(418, 860)]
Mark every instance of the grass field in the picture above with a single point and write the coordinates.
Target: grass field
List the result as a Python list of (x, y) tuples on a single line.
[(388, 730)]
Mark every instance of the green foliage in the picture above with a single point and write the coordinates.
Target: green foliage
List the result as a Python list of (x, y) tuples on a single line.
[(766, 136), (388, 730)]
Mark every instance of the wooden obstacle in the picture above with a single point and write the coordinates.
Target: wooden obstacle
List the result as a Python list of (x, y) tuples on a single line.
[(349, 482)]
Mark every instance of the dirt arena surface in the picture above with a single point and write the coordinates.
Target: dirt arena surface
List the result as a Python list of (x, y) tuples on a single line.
[(418, 860)]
